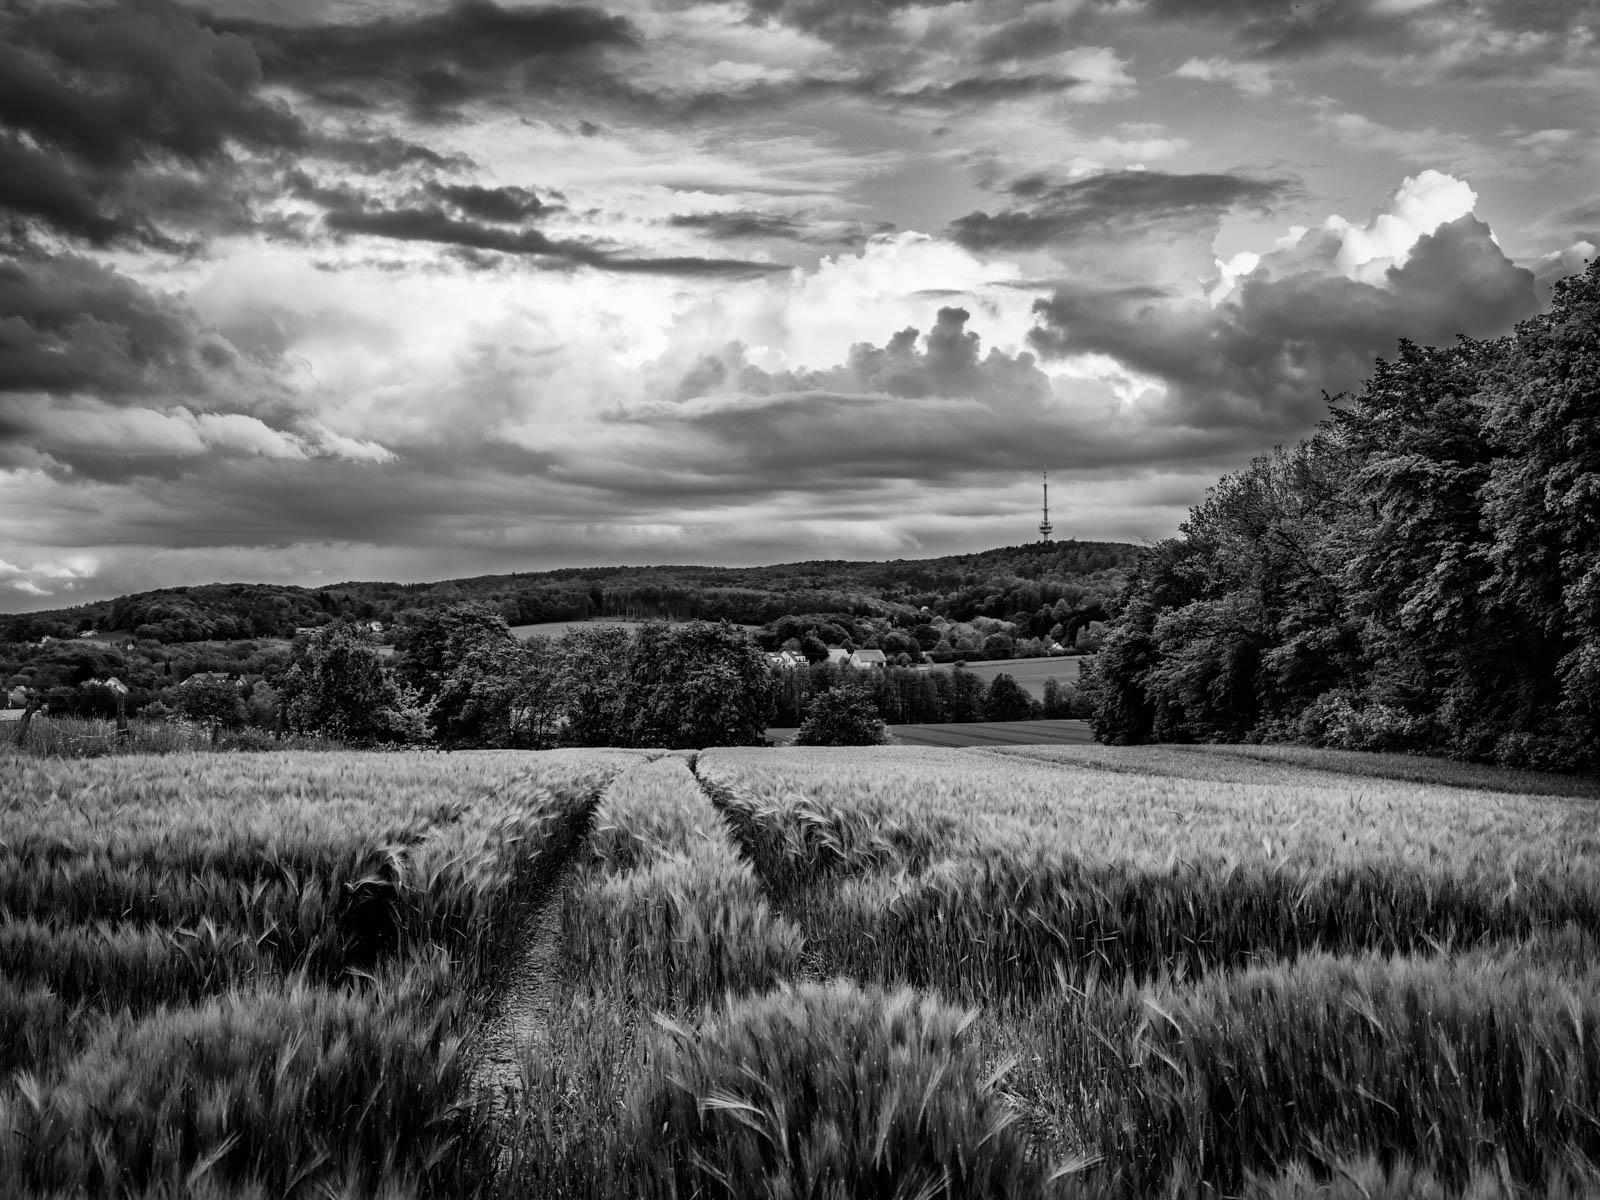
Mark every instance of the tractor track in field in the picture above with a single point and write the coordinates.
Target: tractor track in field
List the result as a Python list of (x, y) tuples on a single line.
[(519, 1018), (812, 968)]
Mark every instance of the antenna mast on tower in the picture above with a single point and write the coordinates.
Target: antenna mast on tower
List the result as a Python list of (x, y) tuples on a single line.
[(1045, 528)]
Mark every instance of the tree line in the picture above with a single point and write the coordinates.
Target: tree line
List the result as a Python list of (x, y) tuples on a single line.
[(1422, 574)]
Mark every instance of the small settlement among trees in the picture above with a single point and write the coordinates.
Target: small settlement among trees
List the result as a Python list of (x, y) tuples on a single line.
[(1422, 574), (367, 664)]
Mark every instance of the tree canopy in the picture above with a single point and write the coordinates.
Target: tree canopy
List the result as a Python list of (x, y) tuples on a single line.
[(1423, 573)]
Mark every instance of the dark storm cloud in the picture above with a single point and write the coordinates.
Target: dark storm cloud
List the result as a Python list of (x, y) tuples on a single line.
[(69, 324), (436, 61), (377, 154), (744, 225), (156, 82), (96, 99), (46, 188), (1294, 328), (507, 204), (434, 225), (1115, 201)]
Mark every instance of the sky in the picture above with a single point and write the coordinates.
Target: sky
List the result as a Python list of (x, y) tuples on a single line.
[(306, 291)]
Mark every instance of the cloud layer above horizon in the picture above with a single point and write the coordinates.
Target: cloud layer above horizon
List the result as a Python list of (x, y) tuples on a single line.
[(312, 290)]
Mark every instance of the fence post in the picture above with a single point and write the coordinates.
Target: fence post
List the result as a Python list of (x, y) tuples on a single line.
[(28, 709)]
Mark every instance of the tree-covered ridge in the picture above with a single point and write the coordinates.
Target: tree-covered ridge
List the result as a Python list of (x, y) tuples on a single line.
[(1423, 573), (996, 583)]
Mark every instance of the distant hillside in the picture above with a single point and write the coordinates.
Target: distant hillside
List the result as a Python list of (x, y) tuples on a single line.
[(997, 583)]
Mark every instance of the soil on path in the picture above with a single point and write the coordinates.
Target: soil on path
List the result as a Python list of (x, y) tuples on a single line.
[(520, 1018)]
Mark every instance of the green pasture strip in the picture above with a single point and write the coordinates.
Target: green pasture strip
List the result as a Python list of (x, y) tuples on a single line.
[(1479, 1063), (1415, 768), (992, 733), (1170, 762), (386, 915)]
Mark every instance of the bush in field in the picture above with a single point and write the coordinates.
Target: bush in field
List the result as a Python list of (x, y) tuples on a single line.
[(827, 1090), (1006, 700), (841, 716), (211, 701)]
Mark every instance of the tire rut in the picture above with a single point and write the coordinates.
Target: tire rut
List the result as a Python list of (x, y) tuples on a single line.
[(519, 1019), (813, 967)]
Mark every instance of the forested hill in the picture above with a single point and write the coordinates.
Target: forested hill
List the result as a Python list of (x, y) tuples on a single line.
[(997, 583)]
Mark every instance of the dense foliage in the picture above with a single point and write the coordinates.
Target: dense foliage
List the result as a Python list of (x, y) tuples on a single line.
[(841, 716), (1424, 573)]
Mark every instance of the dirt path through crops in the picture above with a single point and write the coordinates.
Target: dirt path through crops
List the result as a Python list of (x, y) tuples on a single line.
[(520, 1020)]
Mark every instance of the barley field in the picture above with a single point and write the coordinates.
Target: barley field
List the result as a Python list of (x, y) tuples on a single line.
[(1030, 971)]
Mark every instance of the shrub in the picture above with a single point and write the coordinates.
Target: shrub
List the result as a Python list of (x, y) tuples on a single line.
[(841, 716)]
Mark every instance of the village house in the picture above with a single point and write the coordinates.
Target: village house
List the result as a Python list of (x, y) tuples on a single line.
[(866, 660), (838, 656)]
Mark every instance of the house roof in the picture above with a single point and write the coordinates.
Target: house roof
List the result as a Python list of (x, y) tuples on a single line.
[(869, 656), (838, 654)]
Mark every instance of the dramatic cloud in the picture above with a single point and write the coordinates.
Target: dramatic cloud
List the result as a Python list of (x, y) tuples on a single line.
[(1116, 201), (314, 289), (436, 61), (93, 99), (1306, 318)]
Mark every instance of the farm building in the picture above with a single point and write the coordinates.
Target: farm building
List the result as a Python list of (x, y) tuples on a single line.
[(865, 660)]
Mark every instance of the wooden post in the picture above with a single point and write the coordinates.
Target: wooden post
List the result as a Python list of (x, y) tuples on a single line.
[(124, 734), (29, 707)]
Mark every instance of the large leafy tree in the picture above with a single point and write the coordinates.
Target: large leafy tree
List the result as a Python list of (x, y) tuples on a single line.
[(842, 716), (502, 692), (337, 686), (1006, 700), (592, 672), (432, 651), (1542, 499), (698, 684)]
